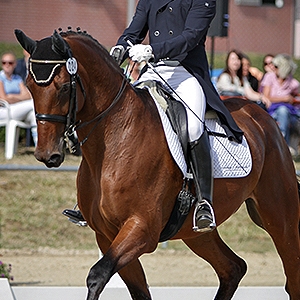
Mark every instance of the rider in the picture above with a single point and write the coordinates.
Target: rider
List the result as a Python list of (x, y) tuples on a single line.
[(177, 32)]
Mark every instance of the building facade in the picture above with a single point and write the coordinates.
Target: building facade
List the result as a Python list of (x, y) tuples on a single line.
[(258, 26)]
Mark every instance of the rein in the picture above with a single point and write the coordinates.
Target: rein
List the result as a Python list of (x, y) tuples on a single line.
[(103, 114), (70, 118)]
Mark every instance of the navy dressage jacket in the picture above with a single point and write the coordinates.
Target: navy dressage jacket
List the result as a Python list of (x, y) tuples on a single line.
[(177, 30)]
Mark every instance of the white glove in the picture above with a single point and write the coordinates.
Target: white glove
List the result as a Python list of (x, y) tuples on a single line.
[(140, 53), (117, 52)]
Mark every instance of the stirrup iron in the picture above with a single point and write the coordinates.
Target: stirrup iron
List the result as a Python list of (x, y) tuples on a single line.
[(212, 224)]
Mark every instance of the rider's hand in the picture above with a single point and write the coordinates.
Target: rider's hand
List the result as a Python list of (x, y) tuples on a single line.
[(117, 52), (140, 53)]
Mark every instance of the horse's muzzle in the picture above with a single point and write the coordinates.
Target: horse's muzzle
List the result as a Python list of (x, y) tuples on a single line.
[(51, 160)]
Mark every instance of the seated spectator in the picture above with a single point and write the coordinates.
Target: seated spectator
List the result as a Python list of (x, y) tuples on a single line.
[(254, 82), (232, 82), (253, 74), (281, 88), (22, 66), (268, 64), (246, 63), (13, 90)]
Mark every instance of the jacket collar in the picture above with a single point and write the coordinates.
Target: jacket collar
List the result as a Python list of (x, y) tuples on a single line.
[(158, 4)]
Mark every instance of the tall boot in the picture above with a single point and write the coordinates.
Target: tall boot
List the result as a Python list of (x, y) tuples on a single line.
[(204, 218)]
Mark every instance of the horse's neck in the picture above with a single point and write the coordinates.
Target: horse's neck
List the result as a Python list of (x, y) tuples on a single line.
[(123, 128)]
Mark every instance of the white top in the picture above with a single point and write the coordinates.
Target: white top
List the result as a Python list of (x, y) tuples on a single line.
[(224, 84)]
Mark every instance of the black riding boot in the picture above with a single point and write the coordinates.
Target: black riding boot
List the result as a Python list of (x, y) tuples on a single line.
[(204, 219), (75, 216)]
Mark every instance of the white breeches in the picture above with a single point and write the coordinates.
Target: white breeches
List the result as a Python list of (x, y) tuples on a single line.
[(188, 89)]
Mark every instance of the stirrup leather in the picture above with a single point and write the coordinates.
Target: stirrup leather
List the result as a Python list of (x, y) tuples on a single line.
[(212, 225)]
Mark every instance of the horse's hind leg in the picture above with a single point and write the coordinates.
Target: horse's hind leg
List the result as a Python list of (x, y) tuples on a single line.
[(278, 209), (134, 277), (281, 221), (229, 267)]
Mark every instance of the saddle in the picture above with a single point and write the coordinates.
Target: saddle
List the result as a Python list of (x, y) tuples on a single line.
[(230, 160)]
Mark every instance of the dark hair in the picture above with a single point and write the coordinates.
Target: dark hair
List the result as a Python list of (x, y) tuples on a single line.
[(239, 71), (267, 55)]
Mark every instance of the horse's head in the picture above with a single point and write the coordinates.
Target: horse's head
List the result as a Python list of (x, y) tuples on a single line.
[(52, 82)]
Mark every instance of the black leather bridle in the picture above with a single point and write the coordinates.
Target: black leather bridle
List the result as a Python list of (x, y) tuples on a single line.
[(70, 119)]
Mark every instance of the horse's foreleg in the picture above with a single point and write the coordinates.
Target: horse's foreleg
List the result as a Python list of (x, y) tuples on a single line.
[(121, 256), (229, 267)]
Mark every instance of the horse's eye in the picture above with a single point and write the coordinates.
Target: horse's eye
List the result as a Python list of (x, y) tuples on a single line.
[(64, 88)]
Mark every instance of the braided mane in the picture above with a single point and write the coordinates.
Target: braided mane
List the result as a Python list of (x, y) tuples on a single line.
[(84, 33)]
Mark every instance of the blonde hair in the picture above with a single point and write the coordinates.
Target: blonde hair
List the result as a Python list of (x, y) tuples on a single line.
[(285, 65)]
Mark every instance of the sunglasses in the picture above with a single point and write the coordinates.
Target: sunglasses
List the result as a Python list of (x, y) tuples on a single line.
[(267, 63), (7, 62)]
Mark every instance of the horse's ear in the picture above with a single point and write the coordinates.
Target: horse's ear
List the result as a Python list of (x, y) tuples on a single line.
[(27, 43), (60, 46)]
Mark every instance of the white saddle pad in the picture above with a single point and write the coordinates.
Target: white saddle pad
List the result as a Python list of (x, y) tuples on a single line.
[(230, 159)]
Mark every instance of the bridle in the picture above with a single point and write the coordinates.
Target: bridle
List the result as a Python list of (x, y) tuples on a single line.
[(70, 119)]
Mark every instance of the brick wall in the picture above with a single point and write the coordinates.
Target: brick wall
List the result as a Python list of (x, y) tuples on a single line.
[(103, 19), (259, 29), (252, 29)]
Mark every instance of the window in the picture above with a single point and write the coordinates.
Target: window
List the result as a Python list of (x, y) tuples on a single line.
[(276, 3)]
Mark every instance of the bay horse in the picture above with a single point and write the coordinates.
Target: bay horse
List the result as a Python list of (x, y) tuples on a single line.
[(127, 182)]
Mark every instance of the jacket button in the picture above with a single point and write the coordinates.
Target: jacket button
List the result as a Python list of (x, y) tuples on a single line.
[(171, 32), (170, 9), (156, 33)]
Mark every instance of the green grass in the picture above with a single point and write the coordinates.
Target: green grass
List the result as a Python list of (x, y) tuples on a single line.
[(31, 202), (31, 205)]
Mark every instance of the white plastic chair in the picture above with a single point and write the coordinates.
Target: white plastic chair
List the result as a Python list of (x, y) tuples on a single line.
[(12, 130)]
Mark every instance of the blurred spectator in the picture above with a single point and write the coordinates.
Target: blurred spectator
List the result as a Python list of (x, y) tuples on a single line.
[(13, 90), (254, 82), (281, 88), (232, 82), (268, 65), (246, 63), (22, 66)]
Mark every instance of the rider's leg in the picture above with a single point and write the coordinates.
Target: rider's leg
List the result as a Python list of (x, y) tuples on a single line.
[(204, 219), (201, 163)]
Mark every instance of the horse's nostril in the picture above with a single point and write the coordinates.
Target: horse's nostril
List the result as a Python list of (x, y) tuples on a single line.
[(54, 161)]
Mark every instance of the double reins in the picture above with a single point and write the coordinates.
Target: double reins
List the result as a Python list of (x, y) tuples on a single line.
[(70, 119)]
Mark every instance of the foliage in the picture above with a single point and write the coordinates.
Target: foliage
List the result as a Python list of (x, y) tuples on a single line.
[(11, 47), (5, 270)]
